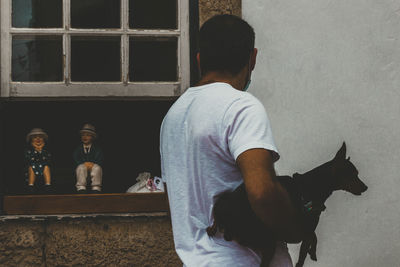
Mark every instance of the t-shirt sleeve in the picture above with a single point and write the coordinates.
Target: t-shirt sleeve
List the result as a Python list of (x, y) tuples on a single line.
[(246, 126)]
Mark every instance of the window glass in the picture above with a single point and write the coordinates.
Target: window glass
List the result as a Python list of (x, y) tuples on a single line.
[(153, 59), (37, 13), (37, 58), (93, 14), (153, 14), (95, 58)]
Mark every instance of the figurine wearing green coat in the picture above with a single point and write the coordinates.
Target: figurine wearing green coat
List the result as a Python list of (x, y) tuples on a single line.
[(88, 159)]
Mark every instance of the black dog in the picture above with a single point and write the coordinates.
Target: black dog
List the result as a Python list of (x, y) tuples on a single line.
[(234, 217)]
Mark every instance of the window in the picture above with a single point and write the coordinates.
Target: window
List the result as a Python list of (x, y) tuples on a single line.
[(70, 50), (95, 48)]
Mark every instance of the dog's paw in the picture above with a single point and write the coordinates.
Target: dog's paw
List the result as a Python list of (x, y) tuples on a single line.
[(212, 230), (313, 256)]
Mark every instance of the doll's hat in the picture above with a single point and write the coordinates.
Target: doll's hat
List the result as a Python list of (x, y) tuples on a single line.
[(88, 128), (36, 131)]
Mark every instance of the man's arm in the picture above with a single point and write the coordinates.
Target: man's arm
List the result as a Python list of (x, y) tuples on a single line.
[(268, 199)]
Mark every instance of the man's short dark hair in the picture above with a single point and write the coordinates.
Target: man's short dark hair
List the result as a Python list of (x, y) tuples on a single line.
[(226, 42)]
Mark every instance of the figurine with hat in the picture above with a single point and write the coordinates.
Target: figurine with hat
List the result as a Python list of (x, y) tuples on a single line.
[(37, 158), (88, 159)]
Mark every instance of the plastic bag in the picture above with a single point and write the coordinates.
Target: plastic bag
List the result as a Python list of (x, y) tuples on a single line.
[(146, 184)]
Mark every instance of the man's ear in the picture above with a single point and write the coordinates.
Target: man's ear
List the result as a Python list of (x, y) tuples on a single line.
[(253, 58), (341, 154), (198, 60)]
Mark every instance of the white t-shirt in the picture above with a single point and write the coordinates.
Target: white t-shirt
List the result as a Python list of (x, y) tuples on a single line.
[(203, 133)]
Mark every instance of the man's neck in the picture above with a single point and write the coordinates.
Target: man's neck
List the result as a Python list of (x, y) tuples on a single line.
[(238, 81)]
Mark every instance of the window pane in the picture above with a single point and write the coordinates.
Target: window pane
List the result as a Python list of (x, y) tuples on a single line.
[(95, 59), (37, 58), (152, 59), (93, 14), (37, 13), (153, 14)]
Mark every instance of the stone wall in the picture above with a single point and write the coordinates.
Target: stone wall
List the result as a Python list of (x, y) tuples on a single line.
[(210, 8), (135, 240)]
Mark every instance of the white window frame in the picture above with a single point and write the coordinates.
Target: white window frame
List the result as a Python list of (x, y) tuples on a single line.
[(68, 88)]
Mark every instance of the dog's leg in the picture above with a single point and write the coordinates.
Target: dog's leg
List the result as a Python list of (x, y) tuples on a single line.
[(304, 248), (313, 247)]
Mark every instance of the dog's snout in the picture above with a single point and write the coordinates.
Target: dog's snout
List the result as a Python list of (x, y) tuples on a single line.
[(360, 186), (356, 186), (365, 188)]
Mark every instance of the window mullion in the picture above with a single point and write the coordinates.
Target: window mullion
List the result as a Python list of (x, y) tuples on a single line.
[(6, 49), (183, 50), (67, 15), (67, 58), (125, 41), (67, 42), (125, 57)]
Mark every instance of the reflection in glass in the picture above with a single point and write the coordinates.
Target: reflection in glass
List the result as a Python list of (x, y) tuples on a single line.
[(95, 59), (37, 58), (153, 14), (37, 13), (152, 59), (94, 14)]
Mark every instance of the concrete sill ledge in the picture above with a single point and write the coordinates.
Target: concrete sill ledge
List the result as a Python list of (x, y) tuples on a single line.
[(83, 216), (85, 204)]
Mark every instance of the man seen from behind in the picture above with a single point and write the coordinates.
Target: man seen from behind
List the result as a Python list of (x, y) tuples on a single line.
[(214, 137)]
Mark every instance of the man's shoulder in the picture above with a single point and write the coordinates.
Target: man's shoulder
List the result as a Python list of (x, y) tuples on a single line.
[(245, 101), (222, 95), (210, 102)]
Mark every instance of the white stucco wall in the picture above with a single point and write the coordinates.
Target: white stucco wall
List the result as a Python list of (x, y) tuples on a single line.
[(328, 72)]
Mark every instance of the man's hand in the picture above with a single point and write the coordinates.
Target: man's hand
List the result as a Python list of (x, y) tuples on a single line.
[(268, 199), (89, 165)]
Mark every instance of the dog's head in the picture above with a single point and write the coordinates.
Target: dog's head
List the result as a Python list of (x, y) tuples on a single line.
[(228, 213), (234, 218), (346, 174)]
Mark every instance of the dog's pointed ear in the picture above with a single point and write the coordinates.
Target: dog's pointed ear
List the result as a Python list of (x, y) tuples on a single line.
[(296, 175), (341, 154)]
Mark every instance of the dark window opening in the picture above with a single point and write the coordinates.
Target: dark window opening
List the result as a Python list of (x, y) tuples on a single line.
[(95, 59), (153, 59), (153, 14), (128, 132), (95, 14)]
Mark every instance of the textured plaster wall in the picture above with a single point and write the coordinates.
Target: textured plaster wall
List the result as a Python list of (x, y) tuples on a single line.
[(328, 72), (135, 241)]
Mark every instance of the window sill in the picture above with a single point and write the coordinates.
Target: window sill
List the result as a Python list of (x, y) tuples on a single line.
[(85, 204)]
